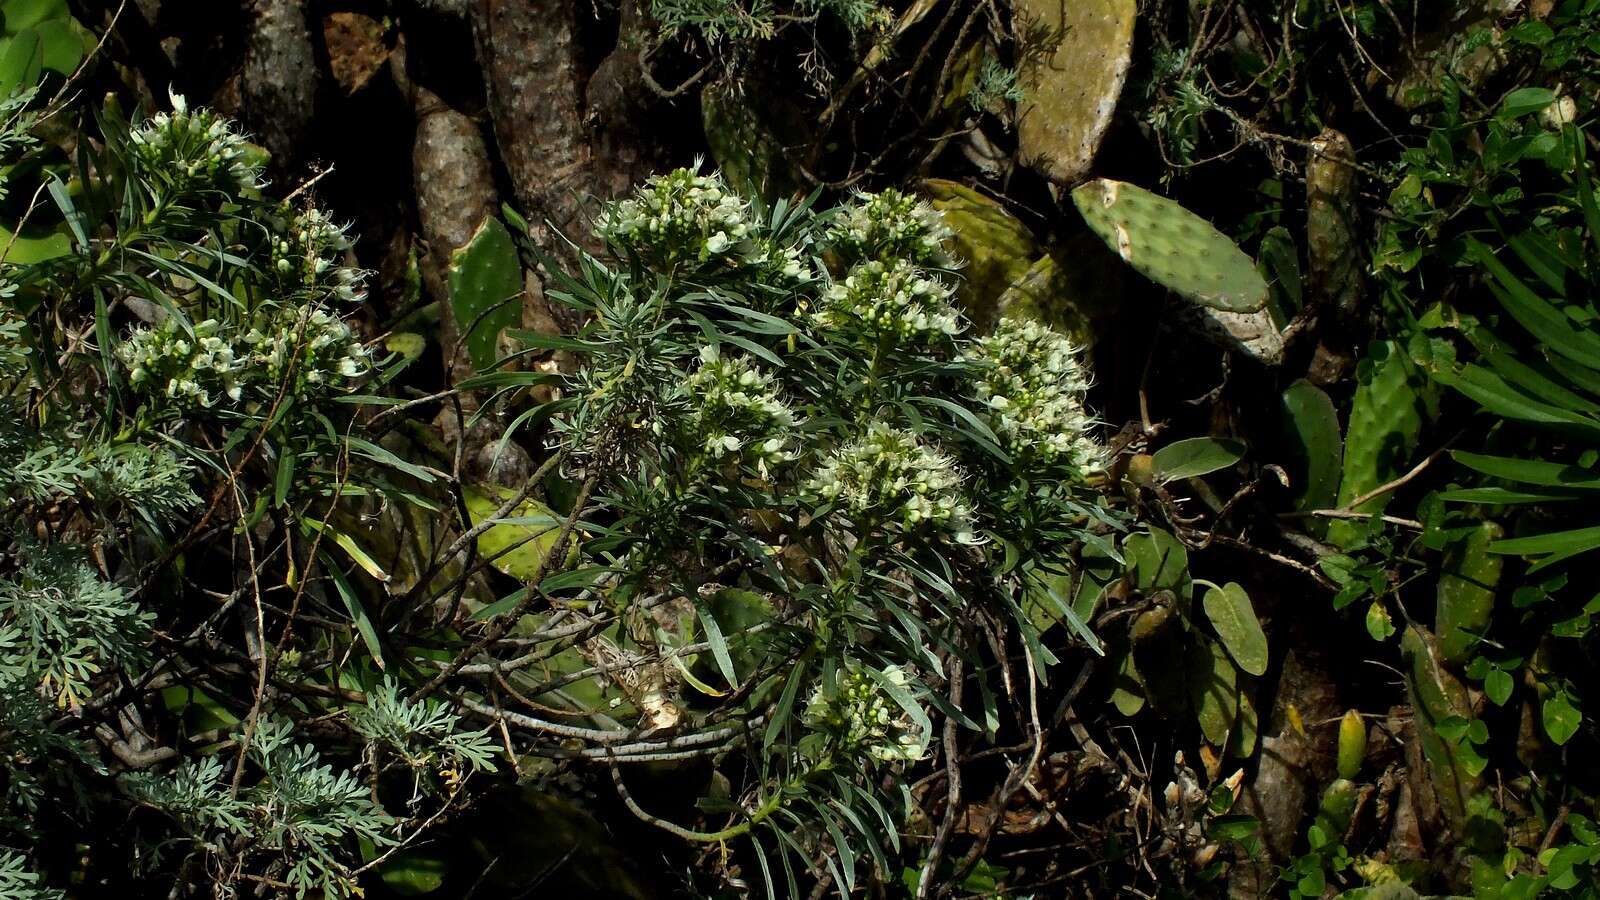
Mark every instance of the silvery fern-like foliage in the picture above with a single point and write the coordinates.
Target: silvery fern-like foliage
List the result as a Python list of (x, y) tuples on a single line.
[(301, 813), (71, 624), (174, 401), (18, 882), (421, 734)]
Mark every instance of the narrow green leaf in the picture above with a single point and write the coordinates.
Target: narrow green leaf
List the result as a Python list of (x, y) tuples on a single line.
[(719, 646), (1528, 471), (1563, 543), (1544, 321), (358, 613), (903, 697), (348, 545), (283, 478)]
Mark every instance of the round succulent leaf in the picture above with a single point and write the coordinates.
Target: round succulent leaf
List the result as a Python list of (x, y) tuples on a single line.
[(1234, 618), (1193, 457), (1315, 448), (1213, 689)]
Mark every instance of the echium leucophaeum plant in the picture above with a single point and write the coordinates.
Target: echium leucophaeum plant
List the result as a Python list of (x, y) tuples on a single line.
[(816, 484), (293, 344)]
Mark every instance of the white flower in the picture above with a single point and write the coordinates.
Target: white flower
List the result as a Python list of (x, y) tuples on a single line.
[(678, 219), (888, 478), (195, 151), (737, 410), (895, 301), (1033, 383), (863, 718), (891, 225)]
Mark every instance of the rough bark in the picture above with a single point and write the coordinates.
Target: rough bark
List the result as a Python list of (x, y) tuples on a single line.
[(278, 83), (526, 50)]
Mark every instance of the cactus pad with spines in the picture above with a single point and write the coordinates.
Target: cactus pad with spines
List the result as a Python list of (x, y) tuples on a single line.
[(1071, 79), (1172, 246), (1332, 242), (997, 247), (1386, 419)]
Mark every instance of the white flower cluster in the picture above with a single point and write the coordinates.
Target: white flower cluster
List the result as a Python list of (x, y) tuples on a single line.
[(865, 719), (894, 301), (190, 369), (678, 218), (737, 411), (779, 265), (312, 349), (1032, 382), (891, 225), (213, 362), (305, 253), (196, 150), (887, 477)]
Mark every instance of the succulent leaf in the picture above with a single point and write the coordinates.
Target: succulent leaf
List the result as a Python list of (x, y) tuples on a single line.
[(1070, 93), (1172, 246)]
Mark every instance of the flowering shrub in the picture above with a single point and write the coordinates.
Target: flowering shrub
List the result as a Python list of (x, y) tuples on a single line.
[(1032, 384), (887, 478), (863, 718), (788, 497), (188, 152), (738, 412), (834, 484), (677, 220), (895, 302)]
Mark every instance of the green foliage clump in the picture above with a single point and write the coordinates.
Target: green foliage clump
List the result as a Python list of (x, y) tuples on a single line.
[(839, 451), (175, 398)]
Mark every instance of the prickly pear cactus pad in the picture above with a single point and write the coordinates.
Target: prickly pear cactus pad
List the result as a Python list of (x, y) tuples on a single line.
[(1332, 244), (997, 247), (1072, 82), (1171, 246)]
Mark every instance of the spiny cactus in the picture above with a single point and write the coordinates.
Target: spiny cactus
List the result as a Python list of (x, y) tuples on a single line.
[(1070, 88), (1385, 422), (1466, 592), (1352, 744), (1333, 248), (997, 247), (485, 280), (1072, 289), (1438, 697), (1172, 246)]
